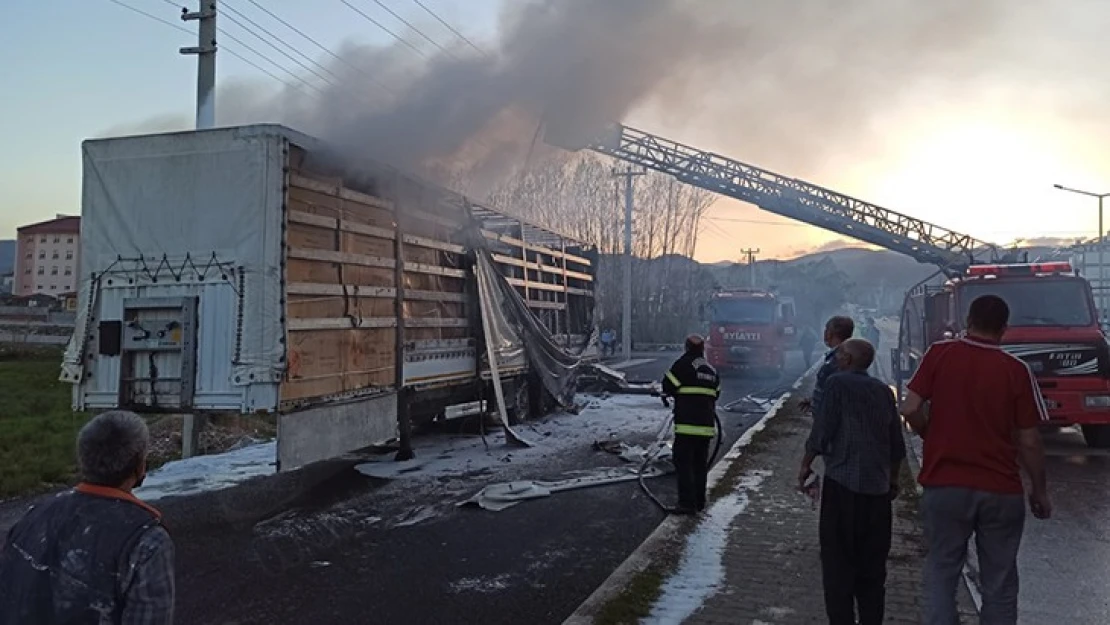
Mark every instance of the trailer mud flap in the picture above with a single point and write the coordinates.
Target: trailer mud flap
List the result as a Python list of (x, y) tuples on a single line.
[(330, 430)]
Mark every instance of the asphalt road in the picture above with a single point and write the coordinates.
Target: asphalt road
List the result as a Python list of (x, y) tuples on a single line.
[(1065, 561), (534, 563)]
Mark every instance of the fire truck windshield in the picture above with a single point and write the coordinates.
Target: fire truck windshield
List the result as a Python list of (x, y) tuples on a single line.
[(744, 311), (1035, 302)]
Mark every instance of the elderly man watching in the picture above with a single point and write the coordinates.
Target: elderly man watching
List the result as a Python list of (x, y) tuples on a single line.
[(858, 433), (94, 554)]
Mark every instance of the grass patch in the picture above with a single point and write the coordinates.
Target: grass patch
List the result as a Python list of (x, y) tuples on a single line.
[(38, 429), (635, 601), (762, 442)]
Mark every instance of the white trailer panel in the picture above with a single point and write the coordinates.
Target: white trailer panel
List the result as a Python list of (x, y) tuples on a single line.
[(195, 215)]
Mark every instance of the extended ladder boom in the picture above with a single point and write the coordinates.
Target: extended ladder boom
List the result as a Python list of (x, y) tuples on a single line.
[(796, 199)]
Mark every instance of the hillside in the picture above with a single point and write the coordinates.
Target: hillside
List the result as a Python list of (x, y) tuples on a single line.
[(877, 278)]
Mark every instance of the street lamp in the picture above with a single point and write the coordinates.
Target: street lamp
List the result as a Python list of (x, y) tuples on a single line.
[(1101, 243)]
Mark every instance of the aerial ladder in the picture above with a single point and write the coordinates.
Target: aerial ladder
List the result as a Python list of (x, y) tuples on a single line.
[(789, 197)]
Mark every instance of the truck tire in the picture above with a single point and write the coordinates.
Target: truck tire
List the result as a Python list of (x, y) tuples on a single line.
[(1097, 436)]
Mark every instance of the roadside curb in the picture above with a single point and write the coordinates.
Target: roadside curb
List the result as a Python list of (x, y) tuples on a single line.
[(672, 526)]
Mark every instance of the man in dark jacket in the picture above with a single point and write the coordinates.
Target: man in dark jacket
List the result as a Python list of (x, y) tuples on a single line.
[(94, 554), (695, 387), (837, 330)]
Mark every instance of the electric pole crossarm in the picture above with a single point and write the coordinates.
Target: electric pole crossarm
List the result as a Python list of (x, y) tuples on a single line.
[(790, 197)]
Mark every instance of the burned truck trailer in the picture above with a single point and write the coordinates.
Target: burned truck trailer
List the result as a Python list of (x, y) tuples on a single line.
[(250, 270)]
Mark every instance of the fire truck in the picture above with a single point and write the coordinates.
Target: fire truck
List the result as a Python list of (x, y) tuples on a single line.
[(1053, 327), (749, 329)]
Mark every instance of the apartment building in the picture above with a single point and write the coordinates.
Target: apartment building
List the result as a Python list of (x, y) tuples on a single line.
[(48, 257)]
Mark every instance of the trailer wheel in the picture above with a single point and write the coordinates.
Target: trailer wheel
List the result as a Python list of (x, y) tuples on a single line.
[(1097, 436)]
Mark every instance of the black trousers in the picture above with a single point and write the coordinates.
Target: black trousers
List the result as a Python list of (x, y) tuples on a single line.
[(691, 455), (855, 542)]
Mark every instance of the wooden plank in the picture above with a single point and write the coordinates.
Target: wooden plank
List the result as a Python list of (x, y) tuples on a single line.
[(435, 270), (434, 244), (554, 270), (340, 323), (313, 203), (434, 296), (329, 362), (504, 238), (320, 288), (435, 322), (343, 225), (433, 218), (346, 258), (548, 287), (532, 303), (304, 182), (338, 307)]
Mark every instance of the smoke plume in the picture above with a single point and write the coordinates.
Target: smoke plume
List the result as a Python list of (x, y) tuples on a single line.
[(794, 83)]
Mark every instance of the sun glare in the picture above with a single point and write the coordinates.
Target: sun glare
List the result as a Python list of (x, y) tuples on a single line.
[(986, 179)]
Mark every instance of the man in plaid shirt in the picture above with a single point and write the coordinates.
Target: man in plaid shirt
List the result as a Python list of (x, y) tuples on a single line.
[(94, 554), (858, 433)]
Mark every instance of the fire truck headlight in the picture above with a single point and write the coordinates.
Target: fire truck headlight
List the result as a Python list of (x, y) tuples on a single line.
[(1097, 401)]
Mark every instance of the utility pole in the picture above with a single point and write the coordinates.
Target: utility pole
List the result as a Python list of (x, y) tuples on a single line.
[(626, 316), (1100, 298), (750, 253), (206, 61)]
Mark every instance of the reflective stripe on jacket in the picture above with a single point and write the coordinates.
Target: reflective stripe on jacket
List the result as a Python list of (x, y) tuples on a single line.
[(695, 386)]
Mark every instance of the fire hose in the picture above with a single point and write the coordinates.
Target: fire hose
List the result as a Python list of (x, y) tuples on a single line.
[(661, 442)]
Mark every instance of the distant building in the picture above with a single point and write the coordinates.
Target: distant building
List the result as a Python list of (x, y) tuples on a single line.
[(7, 257), (7, 283), (47, 259)]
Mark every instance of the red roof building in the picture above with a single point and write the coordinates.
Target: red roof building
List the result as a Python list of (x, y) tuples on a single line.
[(48, 256)]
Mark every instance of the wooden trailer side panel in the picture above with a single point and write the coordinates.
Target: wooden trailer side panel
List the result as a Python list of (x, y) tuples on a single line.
[(343, 284), (340, 291)]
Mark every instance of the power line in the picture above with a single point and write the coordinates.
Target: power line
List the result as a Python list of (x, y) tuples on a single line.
[(449, 27), (317, 44), (189, 32), (235, 11), (758, 221), (259, 54), (275, 47), (383, 27), (271, 61), (415, 29), (151, 16)]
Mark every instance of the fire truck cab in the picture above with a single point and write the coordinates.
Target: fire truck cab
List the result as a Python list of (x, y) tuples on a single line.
[(1054, 328), (749, 329)]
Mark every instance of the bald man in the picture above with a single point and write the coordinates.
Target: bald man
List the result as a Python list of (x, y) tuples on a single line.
[(695, 387), (858, 433)]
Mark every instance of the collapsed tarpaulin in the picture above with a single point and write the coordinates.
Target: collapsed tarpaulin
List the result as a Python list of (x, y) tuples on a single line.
[(646, 463), (514, 331), (497, 497)]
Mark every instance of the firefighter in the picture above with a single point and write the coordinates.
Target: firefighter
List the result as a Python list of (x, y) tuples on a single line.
[(695, 387)]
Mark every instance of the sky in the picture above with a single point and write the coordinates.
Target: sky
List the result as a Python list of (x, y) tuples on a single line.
[(966, 120)]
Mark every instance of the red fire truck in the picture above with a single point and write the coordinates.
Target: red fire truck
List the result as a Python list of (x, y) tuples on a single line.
[(749, 329), (1054, 328)]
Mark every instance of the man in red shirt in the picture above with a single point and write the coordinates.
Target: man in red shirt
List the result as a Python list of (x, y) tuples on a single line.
[(984, 412)]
